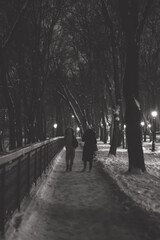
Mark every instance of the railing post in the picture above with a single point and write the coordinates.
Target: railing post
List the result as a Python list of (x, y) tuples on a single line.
[(35, 168), (40, 162), (19, 184), (28, 174), (48, 149), (2, 200), (44, 159), (47, 154)]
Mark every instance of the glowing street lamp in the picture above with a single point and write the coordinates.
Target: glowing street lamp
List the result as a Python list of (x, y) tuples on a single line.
[(101, 130), (124, 136), (143, 131), (154, 115), (55, 125), (149, 130), (78, 131)]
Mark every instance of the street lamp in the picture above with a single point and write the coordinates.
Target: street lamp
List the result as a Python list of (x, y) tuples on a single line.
[(101, 131), (154, 115), (149, 132), (73, 122), (124, 136), (78, 129), (143, 133), (55, 125)]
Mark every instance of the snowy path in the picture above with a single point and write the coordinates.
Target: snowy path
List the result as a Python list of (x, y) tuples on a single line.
[(79, 206)]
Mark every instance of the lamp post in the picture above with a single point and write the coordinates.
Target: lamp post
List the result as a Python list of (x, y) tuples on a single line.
[(78, 129), (101, 131), (124, 136), (55, 125), (73, 122), (142, 125), (154, 115), (149, 130)]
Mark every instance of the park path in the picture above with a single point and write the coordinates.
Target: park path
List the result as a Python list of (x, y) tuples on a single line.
[(79, 206)]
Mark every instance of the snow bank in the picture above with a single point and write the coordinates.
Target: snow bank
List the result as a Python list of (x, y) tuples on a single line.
[(142, 188)]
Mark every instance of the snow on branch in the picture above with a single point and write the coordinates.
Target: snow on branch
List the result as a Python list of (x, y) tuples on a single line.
[(137, 103)]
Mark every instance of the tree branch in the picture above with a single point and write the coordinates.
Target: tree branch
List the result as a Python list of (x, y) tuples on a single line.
[(14, 27), (71, 106), (144, 16)]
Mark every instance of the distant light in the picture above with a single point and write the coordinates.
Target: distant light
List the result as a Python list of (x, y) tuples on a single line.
[(149, 125), (142, 124), (55, 125), (72, 116), (124, 126), (154, 114), (78, 129)]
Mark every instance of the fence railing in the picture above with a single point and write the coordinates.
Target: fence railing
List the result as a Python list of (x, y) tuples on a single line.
[(20, 170)]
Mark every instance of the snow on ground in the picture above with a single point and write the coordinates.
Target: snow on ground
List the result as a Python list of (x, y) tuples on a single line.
[(82, 205), (142, 188)]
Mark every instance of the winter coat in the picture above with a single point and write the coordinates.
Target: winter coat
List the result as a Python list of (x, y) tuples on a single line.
[(70, 150), (68, 142), (89, 139)]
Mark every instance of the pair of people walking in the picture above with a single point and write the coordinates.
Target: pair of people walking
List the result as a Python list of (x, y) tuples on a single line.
[(90, 146)]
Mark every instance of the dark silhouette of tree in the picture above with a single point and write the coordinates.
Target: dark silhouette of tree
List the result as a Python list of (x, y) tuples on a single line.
[(117, 100), (132, 29), (149, 65), (25, 62)]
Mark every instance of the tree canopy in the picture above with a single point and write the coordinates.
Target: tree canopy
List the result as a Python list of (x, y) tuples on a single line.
[(95, 60)]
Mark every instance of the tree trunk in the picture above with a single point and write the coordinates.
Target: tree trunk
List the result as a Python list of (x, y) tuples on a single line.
[(104, 129), (132, 32), (133, 134), (133, 111), (18, 120), (10, 106), (101, 134), (115, 137), (59, 117), (12, 135)]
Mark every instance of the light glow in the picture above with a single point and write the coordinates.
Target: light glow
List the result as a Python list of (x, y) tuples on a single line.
[(55, 125), (142, 124), (154, 114)]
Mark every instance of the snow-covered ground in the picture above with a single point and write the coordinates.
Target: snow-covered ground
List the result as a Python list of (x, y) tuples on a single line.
[(143, 188), (79, 206)]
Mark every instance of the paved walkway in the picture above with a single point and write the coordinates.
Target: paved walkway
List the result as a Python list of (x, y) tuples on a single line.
[(79, 206)]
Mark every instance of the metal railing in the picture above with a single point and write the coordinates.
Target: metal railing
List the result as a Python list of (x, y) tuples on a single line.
[(19, 170)]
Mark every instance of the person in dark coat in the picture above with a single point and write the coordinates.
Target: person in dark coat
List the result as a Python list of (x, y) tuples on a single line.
[(70, 149), (90, 146)]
